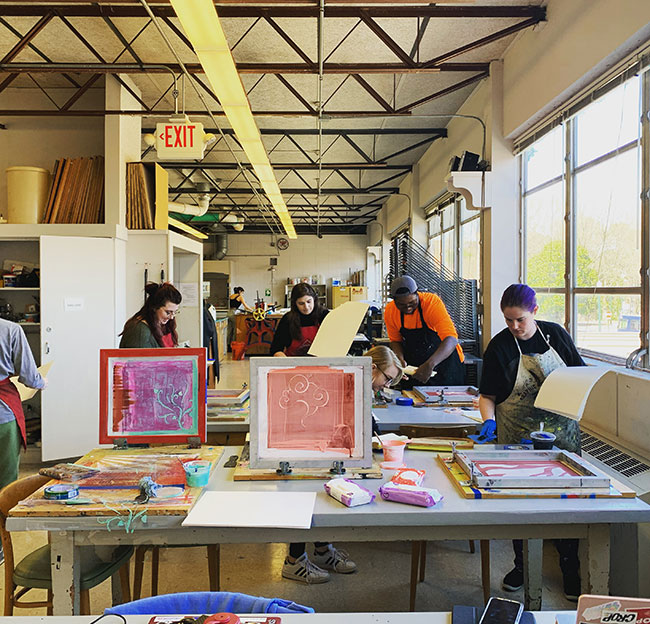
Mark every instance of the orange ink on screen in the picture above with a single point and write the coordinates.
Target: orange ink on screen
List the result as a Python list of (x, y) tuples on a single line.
[(311, 408)]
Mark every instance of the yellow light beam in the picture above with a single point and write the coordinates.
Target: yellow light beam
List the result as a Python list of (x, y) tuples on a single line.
[(203, 28)]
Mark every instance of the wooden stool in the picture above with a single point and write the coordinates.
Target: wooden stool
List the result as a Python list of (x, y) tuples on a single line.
[(419, 560)]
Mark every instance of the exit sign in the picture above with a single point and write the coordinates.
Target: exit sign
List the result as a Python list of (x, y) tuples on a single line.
[(179, 141)]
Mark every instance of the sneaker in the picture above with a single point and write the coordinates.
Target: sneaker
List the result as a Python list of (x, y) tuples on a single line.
[(514, 580), (335, 559), (304, 571), (571, 587)]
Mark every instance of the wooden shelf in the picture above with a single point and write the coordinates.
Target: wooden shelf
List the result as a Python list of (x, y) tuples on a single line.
[(12, 288)]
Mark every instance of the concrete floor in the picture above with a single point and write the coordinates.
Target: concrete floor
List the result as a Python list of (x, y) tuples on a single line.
[(381, 583)]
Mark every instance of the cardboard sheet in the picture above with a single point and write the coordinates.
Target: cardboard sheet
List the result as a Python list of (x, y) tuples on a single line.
[(336, 333), (23, 390), (287, 510), (566, 390)]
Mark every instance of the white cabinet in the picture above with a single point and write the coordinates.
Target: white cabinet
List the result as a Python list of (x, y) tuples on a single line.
[(80, 286), (78, 300)]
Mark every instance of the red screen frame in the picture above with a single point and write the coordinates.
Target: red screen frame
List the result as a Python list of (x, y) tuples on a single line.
[(106, 354)]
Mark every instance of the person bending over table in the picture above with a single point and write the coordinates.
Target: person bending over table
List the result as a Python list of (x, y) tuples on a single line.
[(515, 364), (236, 303), (293, 337), (422, 334), (154, 325), (386, 368), (386, 371), (236, 300), (297, 329)]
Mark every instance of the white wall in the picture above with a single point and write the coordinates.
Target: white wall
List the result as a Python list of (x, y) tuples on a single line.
[(39, 141), (579, 42), (330, 256)]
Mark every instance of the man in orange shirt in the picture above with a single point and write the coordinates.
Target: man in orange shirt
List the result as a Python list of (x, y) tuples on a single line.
[(422, 334)]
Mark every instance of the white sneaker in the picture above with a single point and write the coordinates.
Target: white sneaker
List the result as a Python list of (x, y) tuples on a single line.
[(335, 559), (304, 571)]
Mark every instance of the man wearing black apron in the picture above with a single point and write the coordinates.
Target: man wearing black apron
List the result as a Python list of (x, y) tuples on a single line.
[(423, 335)]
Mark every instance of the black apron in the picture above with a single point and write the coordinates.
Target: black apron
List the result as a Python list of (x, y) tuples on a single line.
[(419, 345)]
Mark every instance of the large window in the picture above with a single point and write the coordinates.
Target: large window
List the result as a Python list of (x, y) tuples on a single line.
[(585, 248), (454, 235)]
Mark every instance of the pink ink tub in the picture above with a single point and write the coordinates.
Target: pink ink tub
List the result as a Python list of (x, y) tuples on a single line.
[(393, 454)]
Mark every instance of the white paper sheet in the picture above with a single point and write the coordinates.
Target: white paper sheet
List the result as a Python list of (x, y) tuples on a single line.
[(566, 390), (23, 390), (286, 510), (337, 331), (190, 293)]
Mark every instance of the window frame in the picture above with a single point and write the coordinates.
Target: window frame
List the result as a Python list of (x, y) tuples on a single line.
[(569, 178)]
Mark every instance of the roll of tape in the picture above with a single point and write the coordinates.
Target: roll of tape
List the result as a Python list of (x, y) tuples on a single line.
[(61, 491)]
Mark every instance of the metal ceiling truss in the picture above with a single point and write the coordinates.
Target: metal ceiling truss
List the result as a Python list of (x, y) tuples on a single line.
[(340, 209)]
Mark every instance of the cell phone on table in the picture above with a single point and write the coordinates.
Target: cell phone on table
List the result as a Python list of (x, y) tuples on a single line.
[(502, 611)]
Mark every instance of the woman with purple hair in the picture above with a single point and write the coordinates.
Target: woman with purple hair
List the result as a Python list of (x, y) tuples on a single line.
[(516, 363)]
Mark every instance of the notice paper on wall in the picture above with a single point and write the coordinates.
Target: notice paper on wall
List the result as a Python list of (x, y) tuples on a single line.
[(190, 293), (23, 390), (284, 510), (338, 329), (566, 390)]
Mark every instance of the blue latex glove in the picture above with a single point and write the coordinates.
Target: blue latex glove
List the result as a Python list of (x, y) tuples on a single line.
[(487, 433)]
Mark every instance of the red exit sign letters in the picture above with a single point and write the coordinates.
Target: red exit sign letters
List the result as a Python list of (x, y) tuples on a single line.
[(179, 141)]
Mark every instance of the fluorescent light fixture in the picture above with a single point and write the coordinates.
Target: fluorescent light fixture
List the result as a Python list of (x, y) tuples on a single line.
[(203, 28), (188, 228)]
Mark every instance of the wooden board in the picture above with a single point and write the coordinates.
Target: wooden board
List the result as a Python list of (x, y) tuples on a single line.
[(459, 479), (244, 473), (113, 491), (439, 444)]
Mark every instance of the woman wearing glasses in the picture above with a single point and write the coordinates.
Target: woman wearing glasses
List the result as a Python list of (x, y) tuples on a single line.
[(154, 325), (386, 368)]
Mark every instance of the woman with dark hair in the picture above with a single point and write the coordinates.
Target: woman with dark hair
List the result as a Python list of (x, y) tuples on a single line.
[(154, 325), (298, 327), (516, 363), (236, 300)]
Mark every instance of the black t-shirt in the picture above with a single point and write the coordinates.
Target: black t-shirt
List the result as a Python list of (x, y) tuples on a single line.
[(282, 337), (502, 357)]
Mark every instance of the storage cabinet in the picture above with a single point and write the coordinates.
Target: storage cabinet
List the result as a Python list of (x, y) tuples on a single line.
[(78, 296), (342, 294)]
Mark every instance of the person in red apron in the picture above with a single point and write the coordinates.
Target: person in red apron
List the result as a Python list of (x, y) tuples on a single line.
[(297, 329), (15, 359), (422, 334), (515, 364), (154, 324)]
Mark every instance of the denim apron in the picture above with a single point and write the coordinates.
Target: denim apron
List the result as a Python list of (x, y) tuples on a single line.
[(419, 345), (517, 416)]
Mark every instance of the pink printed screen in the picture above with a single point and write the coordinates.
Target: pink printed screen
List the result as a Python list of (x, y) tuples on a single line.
[(156, 397), (311, 408), (524, 468)]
